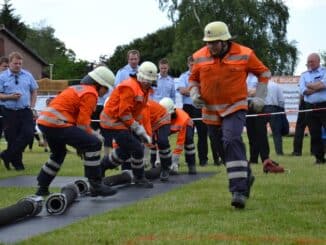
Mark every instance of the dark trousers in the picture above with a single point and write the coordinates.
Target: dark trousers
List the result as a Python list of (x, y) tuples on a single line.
[(129, 148), (87, 145), (161, 140), (236, 163), (300, 127), (316, 120), (275, 122), (19, 131), (202, 132), (257, 136)]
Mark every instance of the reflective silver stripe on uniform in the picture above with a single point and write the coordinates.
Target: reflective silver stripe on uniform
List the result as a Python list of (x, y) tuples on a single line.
[(230, 109), (190, 152), (238, 57), (203, 59), (114, 158), (92, 163), (49, 171), (56, 113), (93, 154), (51, 120), (153, 151), (217, 107), (165, 151), (53, 163), (137, 163), (190, 149), (179, 147), (266, 74), (235, 164), (166, 117), (139, 117), (107, 121), (126, 117), (139, 98), (238, 174), (210, 117)]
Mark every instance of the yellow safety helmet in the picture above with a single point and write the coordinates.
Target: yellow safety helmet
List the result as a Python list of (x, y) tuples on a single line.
[(103, 76), (215, 31)]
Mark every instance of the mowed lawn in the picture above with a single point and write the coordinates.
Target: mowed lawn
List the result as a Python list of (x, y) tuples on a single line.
[(288, 208)]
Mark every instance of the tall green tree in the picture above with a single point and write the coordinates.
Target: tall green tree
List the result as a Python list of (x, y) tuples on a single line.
[(323, 58), (152, 47), (42, 40), (259, 24), (11, 21)]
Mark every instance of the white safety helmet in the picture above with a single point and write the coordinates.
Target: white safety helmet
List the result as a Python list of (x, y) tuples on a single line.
[(215, 31), (103, 76), (147, 71), (168, 104)]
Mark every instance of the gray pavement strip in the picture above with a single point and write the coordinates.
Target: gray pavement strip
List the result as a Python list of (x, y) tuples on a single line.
[(83, 206)]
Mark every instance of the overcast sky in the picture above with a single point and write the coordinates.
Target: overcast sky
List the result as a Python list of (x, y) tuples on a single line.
[(97, 27)]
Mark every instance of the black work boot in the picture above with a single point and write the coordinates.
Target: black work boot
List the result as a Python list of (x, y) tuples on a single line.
[(143, 182), (164, 176), (42, 191), (238, 200), (97, 188)]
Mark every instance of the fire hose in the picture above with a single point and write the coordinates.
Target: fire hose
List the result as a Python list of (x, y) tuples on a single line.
[(57, 203), (27, 207)]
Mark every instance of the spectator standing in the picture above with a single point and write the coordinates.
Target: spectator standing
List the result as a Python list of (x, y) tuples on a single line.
[(218, 86), (165, 83), (133, 58), (275, 102), (300, 128), (18, 91), (182, 86), (313, 88), (4, 64)]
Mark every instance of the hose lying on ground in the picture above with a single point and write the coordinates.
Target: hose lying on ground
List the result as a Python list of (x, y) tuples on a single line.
[(57, 203), (27, 207)]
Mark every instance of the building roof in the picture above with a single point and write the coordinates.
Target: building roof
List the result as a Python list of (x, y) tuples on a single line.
[(15, 39)]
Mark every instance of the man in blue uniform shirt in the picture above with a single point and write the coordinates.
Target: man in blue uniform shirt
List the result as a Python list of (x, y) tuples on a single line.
[(133, 57), (165, 83), (18, 91), (313, 88)]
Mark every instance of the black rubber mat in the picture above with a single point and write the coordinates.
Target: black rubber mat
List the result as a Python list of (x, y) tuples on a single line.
[(83, 206)]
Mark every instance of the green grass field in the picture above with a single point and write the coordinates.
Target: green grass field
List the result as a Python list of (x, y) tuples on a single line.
[(287, 208)]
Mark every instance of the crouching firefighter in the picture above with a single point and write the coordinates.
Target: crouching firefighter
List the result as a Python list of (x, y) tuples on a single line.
[(160, 120), (181, 124), (121, 120), (66, 121)]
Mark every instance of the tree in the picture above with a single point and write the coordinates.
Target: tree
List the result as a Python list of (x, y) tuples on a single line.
[(323, 58), (41, 39), (153, 47), (11, 21), (261, 25)]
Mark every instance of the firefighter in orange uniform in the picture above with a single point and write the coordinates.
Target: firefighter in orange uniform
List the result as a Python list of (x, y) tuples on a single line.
[(218, 86), (181, 124), (160, 125), (66, 121), (121, 120)]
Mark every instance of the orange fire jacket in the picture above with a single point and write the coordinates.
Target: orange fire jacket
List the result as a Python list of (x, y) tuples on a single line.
[(72, 107), (125, 105), (222, 82), (179, 125)]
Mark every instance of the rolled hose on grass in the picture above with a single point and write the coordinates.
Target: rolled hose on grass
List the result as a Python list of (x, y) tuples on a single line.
[(27, 207), (57, 203)]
